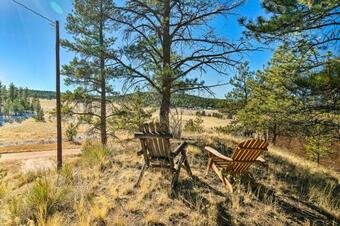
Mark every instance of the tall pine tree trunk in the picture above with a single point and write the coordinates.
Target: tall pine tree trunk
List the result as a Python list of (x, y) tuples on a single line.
[(166, 88), (103, 134), (103, 108), (165, 108)]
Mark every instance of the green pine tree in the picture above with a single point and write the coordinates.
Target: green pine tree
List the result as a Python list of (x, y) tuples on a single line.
[(92, 71), (318, 144)]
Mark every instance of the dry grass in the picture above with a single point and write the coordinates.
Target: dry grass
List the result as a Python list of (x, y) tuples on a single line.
[(312, 167), (30, 131), (102, 193), (209, 122)]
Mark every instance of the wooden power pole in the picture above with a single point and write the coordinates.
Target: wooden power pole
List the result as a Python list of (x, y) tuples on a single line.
[(58, 101)]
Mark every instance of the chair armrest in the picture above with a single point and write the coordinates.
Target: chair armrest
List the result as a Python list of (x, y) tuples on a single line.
[(152, 135), (217, 154), (261, 160), (140, 152), (179, 148)]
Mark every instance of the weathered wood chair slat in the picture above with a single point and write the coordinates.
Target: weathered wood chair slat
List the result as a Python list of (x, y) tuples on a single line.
[(245, 154), (155, 147)]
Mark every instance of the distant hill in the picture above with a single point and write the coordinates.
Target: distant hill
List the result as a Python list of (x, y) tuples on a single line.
[(42, 94), (181, 100), (178, 100)]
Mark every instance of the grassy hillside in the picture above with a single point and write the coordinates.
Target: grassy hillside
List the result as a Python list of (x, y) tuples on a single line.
[(97, 189), (178, 100)]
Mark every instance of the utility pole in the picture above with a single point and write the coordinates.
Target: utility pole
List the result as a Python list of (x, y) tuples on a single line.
[(58, 101)]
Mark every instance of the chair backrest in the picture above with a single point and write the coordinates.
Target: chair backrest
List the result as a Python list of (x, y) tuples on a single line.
[(246, 154), (155, 140)]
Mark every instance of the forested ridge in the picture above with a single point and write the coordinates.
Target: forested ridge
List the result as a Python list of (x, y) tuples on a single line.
[(181, 100), (42, 94)]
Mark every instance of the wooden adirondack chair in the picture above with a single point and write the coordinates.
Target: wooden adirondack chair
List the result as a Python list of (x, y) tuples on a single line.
[(155, 143), (246, 153)]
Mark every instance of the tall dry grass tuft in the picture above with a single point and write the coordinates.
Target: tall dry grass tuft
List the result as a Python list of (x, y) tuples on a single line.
[(81, 207), (100, 208), (67, 173), (56, 219), (325, 198), (95, 154), (17, 210), (44, 199), (31, 176), (3, 190)]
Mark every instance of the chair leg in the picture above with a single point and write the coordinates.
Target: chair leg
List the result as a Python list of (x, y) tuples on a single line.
[(224, 180), (208, 166), (140, 176), (187, 166), (228, 185), (176, 175)]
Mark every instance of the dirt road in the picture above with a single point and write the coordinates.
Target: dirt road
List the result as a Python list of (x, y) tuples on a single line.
[(33, 155)]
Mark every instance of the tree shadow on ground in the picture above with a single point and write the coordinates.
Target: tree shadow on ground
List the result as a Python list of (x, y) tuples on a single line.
[(298, 210), (302, 180), (223, 215), (195, 198)]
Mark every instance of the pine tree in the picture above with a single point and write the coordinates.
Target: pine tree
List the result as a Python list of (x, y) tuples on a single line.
[(239, 96), (39, 112), (318, 144), (12, 92), (272, 106), (8, 107), (71, 132), (175, 39), (301, 23), (3, 97), (133, 112), (40, 115), (91, 71)]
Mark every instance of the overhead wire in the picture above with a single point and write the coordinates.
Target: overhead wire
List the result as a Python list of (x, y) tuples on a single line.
[(35, 12)]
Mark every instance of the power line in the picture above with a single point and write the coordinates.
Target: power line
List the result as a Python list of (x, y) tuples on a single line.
[(36, 13)]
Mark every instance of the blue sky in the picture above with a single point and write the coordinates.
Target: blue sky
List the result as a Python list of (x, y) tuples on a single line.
[(27, 56)]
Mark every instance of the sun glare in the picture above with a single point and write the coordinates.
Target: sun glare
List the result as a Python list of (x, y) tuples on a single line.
[(56, 7)]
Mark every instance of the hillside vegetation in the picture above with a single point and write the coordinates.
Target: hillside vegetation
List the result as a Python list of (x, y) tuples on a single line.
[(97, 189), (178, 100), (181, 100)]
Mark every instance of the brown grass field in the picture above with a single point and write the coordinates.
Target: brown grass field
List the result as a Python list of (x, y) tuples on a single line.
[(97, 189)]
